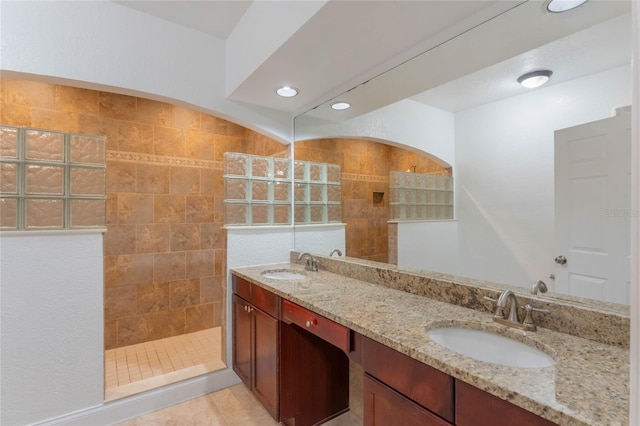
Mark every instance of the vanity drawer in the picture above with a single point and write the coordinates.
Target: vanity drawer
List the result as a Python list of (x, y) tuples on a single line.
[(330, 331), (257, 296), (421, 383)]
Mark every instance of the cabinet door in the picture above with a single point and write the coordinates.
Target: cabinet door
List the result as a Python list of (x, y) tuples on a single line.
[(475, 407), (242, 339), (265, 376), (383, 406)]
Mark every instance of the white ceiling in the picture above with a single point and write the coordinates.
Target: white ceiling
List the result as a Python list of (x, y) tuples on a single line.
[(217, 18), (346, 43)]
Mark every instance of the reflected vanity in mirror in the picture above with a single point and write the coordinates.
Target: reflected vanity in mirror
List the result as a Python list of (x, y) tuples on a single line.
[(458, 110)]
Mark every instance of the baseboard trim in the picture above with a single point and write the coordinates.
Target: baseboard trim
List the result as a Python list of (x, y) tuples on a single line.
[(146, 402)]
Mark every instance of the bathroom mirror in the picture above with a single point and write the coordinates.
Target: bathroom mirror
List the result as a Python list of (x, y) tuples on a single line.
[(459, 105)]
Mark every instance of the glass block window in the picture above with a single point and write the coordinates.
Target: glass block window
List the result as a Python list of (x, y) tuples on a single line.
[(257, 190), (317, 192), (51, 180), (416, 196)]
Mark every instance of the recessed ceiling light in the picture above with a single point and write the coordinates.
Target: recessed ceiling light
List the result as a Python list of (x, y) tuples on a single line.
[(558, 6), (535, 78), (287, 91), (340, 105)]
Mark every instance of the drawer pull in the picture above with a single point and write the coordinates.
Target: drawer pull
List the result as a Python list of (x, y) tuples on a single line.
[(311, 322)]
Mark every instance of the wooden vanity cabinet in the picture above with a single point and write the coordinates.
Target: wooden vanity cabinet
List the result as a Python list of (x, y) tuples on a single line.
[(255, 342), (412, 380), (299, 377), (475, 407)]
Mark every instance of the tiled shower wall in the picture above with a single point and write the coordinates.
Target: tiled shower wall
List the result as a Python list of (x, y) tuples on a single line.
[(165, 251), (365, 187)]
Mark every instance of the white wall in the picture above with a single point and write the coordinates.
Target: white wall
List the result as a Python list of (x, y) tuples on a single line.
[(430, 245), (103, 45), (406, 123), (321, 239), (504, 170), (51, 323)]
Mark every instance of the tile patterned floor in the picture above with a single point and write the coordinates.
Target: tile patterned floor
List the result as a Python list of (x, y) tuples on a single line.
[(136, 368), (233, 406)]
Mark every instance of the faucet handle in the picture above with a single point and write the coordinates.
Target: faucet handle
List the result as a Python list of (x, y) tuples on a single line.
[(499, 312), (528, 318)]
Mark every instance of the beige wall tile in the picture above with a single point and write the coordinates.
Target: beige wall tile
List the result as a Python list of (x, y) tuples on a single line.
[(153, 297), (169, 142), (120, 239), (110, 271), (15, 115), (54, 120), (93, 125), (153, 179), (135, 137), (199, 209), (227, 144), (135, 208), (134, 269), (121, 107), (78, 100), (169, 208), (213, 236), (121, 176), (220, 264), (200, 145), (183, 118), (211, 289), (198, 317), (110, 334), (119, 302), (31, 93), (154, 112), (185, 181), (219, 126), (211, 182), (153, 238), (185, 293), (200, 263), (185, 236), (168, 266)]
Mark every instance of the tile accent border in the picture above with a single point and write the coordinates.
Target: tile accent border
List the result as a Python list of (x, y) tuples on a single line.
[(158, 159)]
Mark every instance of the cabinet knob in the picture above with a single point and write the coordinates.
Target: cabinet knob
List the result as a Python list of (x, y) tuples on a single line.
[(311, 322)]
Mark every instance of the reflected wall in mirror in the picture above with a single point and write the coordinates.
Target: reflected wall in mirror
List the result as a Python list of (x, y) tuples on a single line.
[(467, 109), (366, 165)]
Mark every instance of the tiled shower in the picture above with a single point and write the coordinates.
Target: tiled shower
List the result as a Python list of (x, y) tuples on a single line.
[(164, 249)]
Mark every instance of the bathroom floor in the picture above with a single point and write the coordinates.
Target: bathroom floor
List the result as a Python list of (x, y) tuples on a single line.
[(136, 368), (233, 406)]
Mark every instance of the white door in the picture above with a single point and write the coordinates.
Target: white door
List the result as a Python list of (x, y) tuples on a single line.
[(592, 209)]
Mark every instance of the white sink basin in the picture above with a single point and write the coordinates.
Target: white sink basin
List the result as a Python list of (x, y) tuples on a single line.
[(489, 347), (282, 275)]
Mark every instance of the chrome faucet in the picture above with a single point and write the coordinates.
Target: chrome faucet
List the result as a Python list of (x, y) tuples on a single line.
[(538, 286), (311, 263), (338, 252), (507, 297)]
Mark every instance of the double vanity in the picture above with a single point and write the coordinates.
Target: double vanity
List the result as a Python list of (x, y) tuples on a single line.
[(401, 347)]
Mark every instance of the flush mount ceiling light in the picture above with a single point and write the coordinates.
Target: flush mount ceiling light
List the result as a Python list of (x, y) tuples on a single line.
[(558, 6), (340, 105), (535, 78), (287, 91)]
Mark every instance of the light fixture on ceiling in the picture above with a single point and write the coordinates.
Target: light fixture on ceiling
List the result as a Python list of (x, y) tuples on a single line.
[(558, 6), (340, 105), (287, 91), (535, 78)]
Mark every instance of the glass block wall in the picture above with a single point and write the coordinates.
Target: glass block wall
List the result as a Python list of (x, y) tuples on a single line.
[(317, 192), (257, 190), (51, 180), (417, 196)]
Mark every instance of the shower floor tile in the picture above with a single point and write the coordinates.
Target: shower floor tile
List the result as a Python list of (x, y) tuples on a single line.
[(136, 368)]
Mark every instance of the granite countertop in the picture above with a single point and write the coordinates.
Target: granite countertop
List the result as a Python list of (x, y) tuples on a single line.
[(588, 385)]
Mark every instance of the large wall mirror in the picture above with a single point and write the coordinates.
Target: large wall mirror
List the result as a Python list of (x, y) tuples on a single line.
[(540, 177)]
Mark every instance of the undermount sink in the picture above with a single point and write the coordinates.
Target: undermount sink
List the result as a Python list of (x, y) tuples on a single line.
[(283, 274), (490, 347)]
